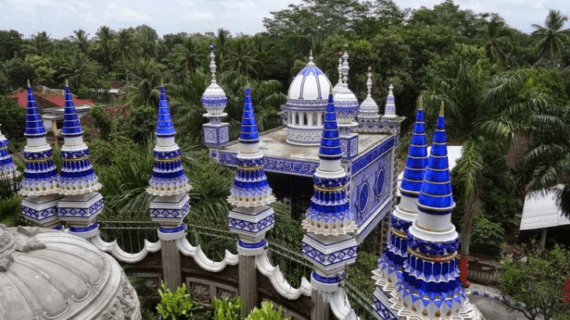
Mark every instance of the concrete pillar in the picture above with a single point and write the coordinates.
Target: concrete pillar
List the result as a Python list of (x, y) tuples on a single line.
[(543, 238), (320, 305), (310, 124), (171, 271), (247, 283)]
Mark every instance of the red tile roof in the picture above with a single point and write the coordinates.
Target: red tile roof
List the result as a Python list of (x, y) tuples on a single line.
[(49, 99)]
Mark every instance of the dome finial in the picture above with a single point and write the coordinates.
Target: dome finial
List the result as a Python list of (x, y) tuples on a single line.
[(310, 55), (29, 85), (345, 68), (213, 63), (340, 67), (369, 82), (441, 109)]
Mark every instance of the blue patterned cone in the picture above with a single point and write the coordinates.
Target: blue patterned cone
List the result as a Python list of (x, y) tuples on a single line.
[(7, 168)]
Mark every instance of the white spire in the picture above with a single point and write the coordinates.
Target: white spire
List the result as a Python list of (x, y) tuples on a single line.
[(213, 63), (345, 68), (339, 68), (369, 82)]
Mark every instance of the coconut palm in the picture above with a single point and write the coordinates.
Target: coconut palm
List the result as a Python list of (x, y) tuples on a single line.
[(186, 56), (496, 38), (104, 38), (479, 109), (241, 59), (81, 40), (124, 47), (80, 70), (40, 44), (222, 45), (143, 90), (551, 36)]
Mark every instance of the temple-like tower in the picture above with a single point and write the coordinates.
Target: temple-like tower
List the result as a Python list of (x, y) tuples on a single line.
[(170, 185), (78, 182), (250, 195), (368, 108), (390, 109), (329, 243), (214, 100), (7, 168), (41, 180), (391, 263), (346, 106)]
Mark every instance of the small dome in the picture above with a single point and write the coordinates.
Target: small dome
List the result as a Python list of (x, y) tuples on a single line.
[(214, 99), (345, 102), (309, 89), (50, 274), (369, 107)]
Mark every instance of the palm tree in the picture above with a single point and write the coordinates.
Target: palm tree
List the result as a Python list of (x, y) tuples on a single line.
[(496, 38), (551, 37), (222, 45), (479, 110), (80, 70), (143, 90), (186, 56), (104, 42), (40, 44), (240, 59), (81, 40), (124, 47)]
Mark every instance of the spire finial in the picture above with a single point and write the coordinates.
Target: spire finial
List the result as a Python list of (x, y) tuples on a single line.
[(29, 85), (66, 83), (340, 67), (310, 55), (213, 63), (345, 68), (441, 109), (369, 82), (161, 82), (420, 103)]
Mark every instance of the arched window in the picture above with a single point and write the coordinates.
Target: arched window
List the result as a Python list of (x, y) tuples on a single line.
[(297, 118), (306, 117), (315, 120)]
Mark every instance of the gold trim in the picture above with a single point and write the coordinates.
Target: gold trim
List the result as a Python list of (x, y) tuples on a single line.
[(399, 234), (325, 189), (75, 159), (38, 160), (445, 258), (251, 168), (168, 160)]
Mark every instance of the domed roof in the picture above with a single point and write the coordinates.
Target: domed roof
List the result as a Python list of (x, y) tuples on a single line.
[(214, 99), (345, 101), (309, 89), (50, 274), (369, 107)]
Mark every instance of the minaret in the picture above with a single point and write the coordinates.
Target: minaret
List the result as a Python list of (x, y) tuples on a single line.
[(391, 263), (78, 182), (346, 106), (170, 185), (41, 180), (368, 114), (429, 287), (214, 100), (339, 83), (250, 195), (7, 168), (329, 244), (390, 109)]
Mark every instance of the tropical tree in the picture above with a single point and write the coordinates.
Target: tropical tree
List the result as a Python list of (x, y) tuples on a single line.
[(496, 38), (479, 108), (79, 70), (143, 89), (241, 59), (81, 40), (40, 44), (222, 39), (186, 56), (124, 47), (551, 36), (104, 42)]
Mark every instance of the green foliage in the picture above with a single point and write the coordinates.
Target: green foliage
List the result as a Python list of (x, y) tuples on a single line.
[(141, 123), (12, 119), (173, 305), (487, 237), (265, 313), (103, 121), (537, 280), (359, 273), (18, 72), (227, 309)]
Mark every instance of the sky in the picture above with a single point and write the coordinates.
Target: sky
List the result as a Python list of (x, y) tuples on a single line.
[(60, 17)]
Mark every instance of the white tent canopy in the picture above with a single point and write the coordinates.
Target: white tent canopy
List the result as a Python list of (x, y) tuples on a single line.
[(453, 155), (542, 212)]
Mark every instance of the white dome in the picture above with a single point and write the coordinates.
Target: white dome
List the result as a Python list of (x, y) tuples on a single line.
[(54, 275), (309, 89), (368, 108), (346, 104), (214, 99)]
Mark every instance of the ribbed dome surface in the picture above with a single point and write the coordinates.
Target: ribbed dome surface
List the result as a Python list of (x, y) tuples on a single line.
[(47, 274), (310, 88)]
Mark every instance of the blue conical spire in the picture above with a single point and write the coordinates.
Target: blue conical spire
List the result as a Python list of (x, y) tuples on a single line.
[(7, 167), (71, 124), (250, 187), (436, 195), (417, 159), (248, 131), (164, 126), (330, 148), (34, 124), (168, 177)]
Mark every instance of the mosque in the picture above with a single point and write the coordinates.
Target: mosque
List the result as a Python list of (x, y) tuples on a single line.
[(342, 153)]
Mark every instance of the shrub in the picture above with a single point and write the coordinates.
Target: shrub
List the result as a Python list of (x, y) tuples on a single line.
[(173, 305), (487, 236), (227, 309), (12, 119), (265, 313)]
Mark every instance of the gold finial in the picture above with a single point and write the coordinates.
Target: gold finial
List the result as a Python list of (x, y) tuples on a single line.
[(441, 109), (420, 103), (29, 85), (369, 68), (161, 82), (66, 83)]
